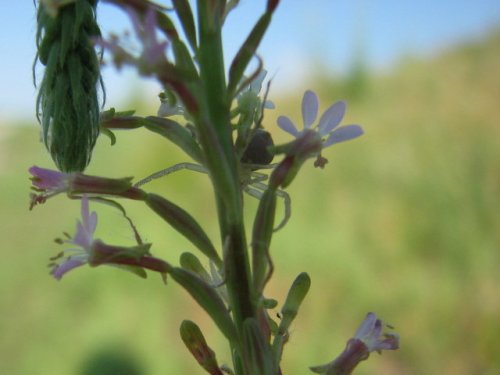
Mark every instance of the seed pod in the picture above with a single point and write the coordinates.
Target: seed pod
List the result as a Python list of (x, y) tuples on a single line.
[(67, 102)]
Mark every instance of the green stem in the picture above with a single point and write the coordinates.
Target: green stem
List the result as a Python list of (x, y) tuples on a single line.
[(215, 135)]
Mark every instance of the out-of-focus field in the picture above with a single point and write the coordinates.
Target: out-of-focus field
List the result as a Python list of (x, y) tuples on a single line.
[(403, 222)]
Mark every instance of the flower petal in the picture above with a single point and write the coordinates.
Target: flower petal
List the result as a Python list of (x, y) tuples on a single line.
[(268, 104), (92, 223), (89, 219), (310, 106), (287, 125), (47, 179), (59, 270), (85, 229), (81, 237), (342, 134), (331, 118), (391, 342), (366, 326)]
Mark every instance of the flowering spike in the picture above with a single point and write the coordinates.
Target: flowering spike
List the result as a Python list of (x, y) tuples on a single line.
[(68, 103)]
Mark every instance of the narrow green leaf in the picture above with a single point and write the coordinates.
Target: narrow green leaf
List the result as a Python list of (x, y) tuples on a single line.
[(183, 58), (208, 298), (246, 52), (185, 14), (176, 133), (191, 263), (185, 224)]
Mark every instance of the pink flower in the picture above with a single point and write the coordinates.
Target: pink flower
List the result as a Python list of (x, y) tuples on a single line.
[(370, 333), (48, 183), (328, 127), (152, 50), (81, 243), (368, 338), (84, 248)]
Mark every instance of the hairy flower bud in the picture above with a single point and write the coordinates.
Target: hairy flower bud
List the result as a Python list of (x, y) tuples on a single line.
[(68, 103)]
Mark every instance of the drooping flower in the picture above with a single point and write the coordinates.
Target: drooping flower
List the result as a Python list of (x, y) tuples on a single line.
[(368, 338), (48, 183), (327, 128), (81, 243), (370, 333), (86, 249)]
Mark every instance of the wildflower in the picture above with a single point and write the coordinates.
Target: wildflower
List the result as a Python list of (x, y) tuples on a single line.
[(145, 29), (370, 333), (48, 183), (327, 127), (368, 338), (85, 249), (82, 240), (153, 50)]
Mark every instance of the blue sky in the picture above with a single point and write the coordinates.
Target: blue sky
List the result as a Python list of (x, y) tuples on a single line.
[(303, 34)]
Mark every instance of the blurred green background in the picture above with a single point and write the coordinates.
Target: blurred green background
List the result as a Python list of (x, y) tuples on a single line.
[(403, 221)]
